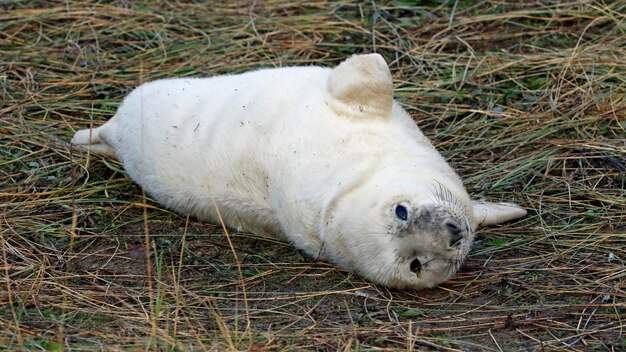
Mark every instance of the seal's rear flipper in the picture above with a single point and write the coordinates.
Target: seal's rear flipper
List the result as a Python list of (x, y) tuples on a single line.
[(92, 141), (487, 213)]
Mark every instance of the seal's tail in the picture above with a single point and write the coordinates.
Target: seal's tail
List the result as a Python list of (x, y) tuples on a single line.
[(93, 141)]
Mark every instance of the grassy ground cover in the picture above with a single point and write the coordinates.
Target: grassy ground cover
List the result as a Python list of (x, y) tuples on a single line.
[(526, 99)]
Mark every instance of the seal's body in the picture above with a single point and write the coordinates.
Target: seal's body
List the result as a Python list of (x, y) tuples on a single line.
[(323, 158)]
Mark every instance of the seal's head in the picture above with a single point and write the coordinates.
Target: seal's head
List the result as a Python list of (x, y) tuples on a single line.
[(428, 237), (400, 233)]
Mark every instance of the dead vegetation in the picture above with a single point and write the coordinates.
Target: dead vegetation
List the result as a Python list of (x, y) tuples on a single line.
[(526, 99)]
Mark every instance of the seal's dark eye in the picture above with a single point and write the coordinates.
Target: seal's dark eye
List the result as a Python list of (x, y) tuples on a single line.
[(401, 212), (415, 266)]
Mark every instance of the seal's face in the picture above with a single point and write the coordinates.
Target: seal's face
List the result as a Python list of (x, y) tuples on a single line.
[(430, 239), (416, 238)]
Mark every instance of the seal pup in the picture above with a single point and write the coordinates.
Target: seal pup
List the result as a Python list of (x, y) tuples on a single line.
[(323, 158)]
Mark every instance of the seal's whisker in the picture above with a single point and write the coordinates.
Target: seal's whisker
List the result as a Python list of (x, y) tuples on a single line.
[(451, 267), (394, 266)]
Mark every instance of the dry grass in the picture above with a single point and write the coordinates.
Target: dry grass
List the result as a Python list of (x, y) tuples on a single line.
[(526, 99)]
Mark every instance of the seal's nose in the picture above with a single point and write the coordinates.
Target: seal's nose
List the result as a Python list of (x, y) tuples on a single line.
[(456, 233)]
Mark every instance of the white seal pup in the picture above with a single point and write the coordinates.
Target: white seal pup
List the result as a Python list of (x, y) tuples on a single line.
[(324, 158)]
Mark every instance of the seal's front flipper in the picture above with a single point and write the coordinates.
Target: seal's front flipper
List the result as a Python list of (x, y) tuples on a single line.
[(361, 87), (487, 213), (92, 140)]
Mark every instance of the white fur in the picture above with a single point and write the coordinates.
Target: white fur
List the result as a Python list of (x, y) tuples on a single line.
[(318, 156)]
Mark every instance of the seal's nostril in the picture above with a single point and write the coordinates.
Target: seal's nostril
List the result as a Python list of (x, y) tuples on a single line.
[(456, 234), (453, 229), (415, 266), (455, 239)]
